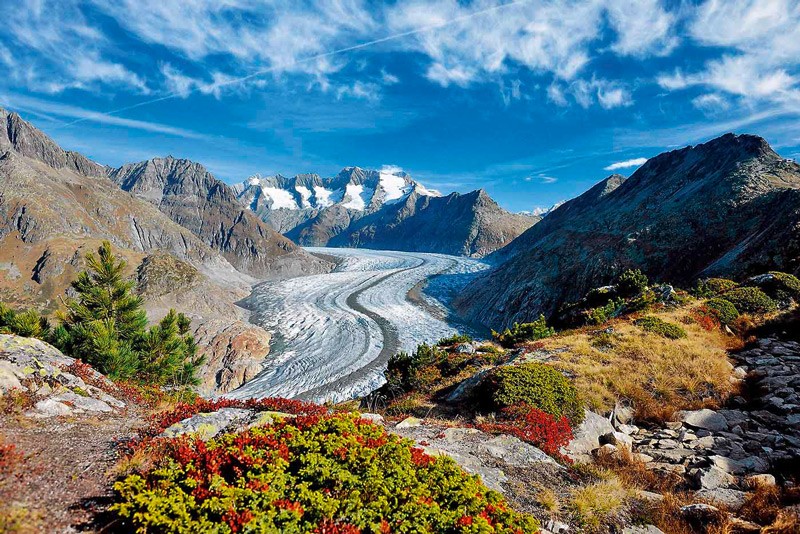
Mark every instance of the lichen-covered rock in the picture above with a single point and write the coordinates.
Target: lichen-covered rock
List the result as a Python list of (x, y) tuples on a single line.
[(31, 365), (208, 425)]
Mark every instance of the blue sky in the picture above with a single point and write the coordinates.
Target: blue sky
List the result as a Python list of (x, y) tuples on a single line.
[(532, 100)]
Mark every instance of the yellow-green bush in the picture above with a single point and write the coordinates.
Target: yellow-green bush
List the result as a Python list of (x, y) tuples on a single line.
[(750, 300), (313, 474), (538, 385), (713, 287), (660, 327)]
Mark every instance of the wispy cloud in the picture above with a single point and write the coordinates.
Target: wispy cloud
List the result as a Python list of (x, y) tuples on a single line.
[(628, 163), (39, 106)]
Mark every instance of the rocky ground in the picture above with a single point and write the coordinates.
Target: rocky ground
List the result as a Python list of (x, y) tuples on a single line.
[(66, 431)]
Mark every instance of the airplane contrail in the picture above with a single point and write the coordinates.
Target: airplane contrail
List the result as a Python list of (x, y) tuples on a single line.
[(307, 59)]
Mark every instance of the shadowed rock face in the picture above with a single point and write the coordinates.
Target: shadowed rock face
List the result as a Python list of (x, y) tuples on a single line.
[(727, 207), (192, 197), (465, 225)]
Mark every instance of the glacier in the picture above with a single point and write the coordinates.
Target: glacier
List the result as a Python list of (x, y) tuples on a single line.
[(335, 332)]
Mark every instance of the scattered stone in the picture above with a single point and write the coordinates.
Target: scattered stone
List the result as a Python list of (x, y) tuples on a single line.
[(208, 425), (516, 452), (730, 498), (50, 408), (705, 419), (756, 481), (619, 439), (646, 529), (587, 436), (374, 417), (712, 477), (728, 465)]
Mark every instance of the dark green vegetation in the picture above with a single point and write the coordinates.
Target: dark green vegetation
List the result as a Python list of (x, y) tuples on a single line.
[(334, 474), (106, 326), (750, 300), (537, 385), (723, 310), (660, 327), (520, 333)]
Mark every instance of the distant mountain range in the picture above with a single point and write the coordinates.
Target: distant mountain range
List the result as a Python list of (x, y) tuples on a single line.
[(380, 209), (729, 207)]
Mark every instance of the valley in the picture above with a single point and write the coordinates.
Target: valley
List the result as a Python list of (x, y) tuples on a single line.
[(337, 330)]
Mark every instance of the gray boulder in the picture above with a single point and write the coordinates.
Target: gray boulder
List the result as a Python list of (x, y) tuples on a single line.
[(705, 419), (587, 436)]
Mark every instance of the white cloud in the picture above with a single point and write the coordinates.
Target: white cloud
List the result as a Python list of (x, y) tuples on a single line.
[(36, 105), (636, 162), (50, 46), (762, 42), (360, 90), (643, 28), (711, 102), (608, 94)]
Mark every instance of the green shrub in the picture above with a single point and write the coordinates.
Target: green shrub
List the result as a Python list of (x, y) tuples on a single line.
[(455, 339), (782, 287), (724, 311), (631, 283), (406, 372), (324, 474), (520, 333), (662, 328), (713, 287), (538, 385), (602, 314), (750, 300)]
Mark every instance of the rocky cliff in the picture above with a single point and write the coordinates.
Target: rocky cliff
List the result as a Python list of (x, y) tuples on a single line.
[(192, 197), (727, 207)]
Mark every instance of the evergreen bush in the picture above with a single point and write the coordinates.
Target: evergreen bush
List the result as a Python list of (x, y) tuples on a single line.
[(750, 300), (520, 333), (660, 327), (537, 385)]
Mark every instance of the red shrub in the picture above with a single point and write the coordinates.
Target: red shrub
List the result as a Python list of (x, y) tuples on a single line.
[(534, 426)]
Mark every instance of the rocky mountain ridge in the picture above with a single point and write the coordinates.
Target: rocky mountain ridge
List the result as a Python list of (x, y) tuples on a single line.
[(730, 207), (384, 209)]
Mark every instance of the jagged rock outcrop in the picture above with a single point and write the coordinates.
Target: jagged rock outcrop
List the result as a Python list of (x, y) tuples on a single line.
[(383, 210), (192, 197), (727, 207)]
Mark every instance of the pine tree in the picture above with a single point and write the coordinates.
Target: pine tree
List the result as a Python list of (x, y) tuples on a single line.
[(106, 319), (169, 353)]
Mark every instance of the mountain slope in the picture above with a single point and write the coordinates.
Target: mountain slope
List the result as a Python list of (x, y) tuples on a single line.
[(192, 197), (730, 206), (380, 209)]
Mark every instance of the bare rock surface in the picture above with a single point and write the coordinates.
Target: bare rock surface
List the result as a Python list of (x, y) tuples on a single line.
[(235, 352)]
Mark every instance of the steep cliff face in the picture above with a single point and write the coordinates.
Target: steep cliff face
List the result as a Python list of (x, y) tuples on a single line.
[(730, 206), (381, 209), (192, 197)]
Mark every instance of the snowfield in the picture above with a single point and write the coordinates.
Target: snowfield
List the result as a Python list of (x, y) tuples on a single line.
[(336, 331)]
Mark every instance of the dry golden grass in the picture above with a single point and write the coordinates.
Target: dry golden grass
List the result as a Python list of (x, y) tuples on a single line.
[(595, 504), (659, 375), (548, 499)]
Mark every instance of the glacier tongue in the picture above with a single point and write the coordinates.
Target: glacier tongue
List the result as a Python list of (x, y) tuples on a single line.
[(338, 330)]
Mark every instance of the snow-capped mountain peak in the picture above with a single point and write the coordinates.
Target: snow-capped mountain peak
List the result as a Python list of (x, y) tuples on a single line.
[(353, 189)]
